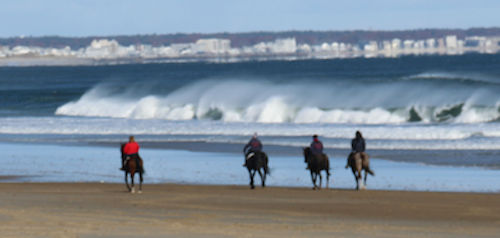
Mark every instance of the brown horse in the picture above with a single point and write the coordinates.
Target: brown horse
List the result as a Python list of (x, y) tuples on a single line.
[(359, 161), (256, 161), (316, 164), (133, 165)]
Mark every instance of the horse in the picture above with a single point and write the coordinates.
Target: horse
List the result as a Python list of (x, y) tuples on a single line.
[(316, 165), (255, 161), (357, 163), (133, 165)]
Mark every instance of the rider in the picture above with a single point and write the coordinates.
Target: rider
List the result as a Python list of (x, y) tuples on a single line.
[(316, 147), (254, 145), (358, 145), (131, 150)]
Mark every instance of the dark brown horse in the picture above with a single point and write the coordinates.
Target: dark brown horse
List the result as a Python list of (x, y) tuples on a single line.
[(316, 164), (359, 161), (133, 165), (255, 162)]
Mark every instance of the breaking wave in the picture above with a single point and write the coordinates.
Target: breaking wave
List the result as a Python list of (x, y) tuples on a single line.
[(446, 76), (295, 102)]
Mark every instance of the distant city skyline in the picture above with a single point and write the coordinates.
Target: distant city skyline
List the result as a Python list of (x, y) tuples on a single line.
[(127, 17)]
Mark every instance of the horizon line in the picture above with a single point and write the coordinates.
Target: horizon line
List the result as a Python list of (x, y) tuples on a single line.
[(252, 32)]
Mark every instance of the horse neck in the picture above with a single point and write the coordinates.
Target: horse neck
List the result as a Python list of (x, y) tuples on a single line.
[(307, 152)]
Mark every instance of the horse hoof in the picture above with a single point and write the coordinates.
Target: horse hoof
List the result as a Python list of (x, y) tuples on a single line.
[(139, 192), (132, 190)]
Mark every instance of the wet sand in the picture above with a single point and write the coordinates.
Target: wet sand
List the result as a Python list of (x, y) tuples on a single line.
[(170, 210)]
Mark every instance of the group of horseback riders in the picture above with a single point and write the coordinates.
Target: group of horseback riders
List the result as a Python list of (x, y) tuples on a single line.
[(358, 145), (316, 160), (255, 159), (130, 150)]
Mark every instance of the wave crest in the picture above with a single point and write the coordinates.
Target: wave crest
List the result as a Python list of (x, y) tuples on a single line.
[(265, 102)]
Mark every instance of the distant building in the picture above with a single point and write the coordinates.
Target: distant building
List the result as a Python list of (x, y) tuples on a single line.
[(451, 42), (212, 46), (430, 43), (283, 46)]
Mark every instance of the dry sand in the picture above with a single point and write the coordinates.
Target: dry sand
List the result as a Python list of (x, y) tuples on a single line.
[(169, 210)]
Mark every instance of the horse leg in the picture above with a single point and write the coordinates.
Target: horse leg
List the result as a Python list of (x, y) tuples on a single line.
[(360, 183), (132, 175), (366, 176), (262, 178), (252, 174), (320, 179), (355, 178), (140, 182), (313, 177), (126, 181), (327, 178)]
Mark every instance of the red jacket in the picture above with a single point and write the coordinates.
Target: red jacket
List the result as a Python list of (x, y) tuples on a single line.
[(131, 148)]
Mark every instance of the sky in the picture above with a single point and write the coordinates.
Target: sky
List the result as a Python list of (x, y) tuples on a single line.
[(127, 17)]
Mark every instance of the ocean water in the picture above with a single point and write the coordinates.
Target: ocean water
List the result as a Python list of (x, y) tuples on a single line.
[(69, 163), (424, 110)]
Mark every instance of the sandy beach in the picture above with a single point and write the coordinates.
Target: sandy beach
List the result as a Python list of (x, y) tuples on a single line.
[(170, 210)]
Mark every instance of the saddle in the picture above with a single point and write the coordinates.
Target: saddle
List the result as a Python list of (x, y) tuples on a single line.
[(138, 162), (362, 160)]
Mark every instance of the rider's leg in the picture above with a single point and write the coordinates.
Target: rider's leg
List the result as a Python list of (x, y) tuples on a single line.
[(123, 162), (246, 157)]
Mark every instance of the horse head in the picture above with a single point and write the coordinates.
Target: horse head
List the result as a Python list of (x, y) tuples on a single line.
[(122, 145), (307, 153)]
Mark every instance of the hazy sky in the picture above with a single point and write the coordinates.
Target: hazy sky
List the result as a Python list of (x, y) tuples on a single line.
[(113, 17)]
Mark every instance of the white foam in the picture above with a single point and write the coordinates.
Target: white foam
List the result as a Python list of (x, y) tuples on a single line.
[(477, 115), (373, 116), (405, 136), (262, 101)]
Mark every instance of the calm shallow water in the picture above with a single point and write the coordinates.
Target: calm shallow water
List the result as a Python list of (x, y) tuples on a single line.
[(62, 163)]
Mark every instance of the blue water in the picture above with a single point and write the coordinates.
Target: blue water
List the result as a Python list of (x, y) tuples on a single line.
[(446, 106), (40, 163)]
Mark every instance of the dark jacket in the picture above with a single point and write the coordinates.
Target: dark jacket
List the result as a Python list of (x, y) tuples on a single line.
[(317, 147), (358, 144), (253, 145)]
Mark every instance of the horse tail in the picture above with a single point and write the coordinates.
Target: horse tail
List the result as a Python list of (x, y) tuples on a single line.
[(327, 165), (266, 167), (370, 171)]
